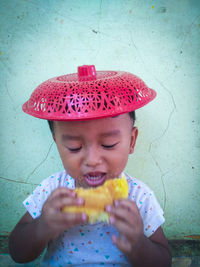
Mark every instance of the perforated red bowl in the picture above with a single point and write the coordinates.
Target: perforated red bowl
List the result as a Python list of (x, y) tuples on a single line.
[(87, 95)]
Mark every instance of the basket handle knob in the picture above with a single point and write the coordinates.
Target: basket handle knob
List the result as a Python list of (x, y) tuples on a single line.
[(86, 72)]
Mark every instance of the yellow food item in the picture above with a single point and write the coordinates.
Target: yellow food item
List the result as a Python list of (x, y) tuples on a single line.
[(96, 199)]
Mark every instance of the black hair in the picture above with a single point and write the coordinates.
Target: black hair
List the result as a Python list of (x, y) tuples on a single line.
[(131, 114), (51, 126)]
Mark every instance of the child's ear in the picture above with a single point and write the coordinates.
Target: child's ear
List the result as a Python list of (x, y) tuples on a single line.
[(134, 134)]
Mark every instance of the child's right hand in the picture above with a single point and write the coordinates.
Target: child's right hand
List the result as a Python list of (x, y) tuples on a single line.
[(53, 220)]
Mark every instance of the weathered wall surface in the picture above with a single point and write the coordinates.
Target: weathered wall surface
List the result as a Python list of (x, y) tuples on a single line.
[(157, 40)]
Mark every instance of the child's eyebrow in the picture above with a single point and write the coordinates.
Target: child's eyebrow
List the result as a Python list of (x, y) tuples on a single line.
[(111, 133), (66, 137)]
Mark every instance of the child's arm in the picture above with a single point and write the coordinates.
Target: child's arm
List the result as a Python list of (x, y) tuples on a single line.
[(30, 236), (140, 250)]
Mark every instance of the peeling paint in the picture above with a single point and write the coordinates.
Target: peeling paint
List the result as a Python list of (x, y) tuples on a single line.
[(162, 10), (195, 237)]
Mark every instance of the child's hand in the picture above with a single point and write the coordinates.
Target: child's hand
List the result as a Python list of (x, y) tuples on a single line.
[(125, 216), (53, 220)]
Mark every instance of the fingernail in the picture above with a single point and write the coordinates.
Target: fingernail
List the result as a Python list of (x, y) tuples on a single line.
[(80, 201), (84, 217), (73, 194), (116, 202), (108, 208), (112, 220)]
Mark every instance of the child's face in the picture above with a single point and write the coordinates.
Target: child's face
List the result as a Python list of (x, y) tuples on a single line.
[(95, 150)]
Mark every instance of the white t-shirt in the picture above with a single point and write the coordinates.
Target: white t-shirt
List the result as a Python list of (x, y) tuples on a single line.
[(91, 245)]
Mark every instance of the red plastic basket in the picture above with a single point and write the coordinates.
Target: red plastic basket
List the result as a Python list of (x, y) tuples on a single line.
[(87, 95)]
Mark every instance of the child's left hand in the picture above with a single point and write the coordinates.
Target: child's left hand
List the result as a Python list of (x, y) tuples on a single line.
[(125, 216)]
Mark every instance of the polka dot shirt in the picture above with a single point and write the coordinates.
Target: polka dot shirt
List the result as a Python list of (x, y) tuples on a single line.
[(91, 245)]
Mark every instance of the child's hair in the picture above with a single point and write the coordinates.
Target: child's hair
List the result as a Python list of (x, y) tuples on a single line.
[(131, 114)]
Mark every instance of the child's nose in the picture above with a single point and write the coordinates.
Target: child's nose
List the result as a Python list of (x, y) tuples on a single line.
[(92, 157)]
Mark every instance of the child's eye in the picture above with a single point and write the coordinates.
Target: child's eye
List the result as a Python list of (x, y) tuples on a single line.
[(74, 149), (109, 146)]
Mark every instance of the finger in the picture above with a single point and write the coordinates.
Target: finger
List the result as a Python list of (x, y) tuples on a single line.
[(123, 215), (127, 204), (62, 191), (122, 227), (64, 220), (67, 201), (124, 204), (75, 218), (122, 243), (126, 211)]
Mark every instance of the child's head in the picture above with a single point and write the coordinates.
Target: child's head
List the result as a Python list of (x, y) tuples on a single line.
[(93, 151), (91, 115)]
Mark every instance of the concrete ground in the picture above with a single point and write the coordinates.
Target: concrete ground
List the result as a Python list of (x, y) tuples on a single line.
[(6, 261), (185, 253)]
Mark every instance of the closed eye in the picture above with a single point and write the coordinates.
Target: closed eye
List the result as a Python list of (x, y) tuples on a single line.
[(109, 146), (74, 149)]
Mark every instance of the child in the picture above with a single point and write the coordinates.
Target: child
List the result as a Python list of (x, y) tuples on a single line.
[(91, 116)]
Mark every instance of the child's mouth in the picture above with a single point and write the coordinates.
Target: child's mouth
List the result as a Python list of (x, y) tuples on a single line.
[(95, 178)]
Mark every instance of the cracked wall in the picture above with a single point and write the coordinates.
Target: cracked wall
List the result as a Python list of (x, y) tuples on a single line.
[(156, 40)]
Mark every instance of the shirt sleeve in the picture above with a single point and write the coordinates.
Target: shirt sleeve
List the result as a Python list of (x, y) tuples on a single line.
[(36, 200), (149, 208), (152, 214)]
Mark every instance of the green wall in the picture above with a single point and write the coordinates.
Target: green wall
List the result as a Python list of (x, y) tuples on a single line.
[(156, 40)]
